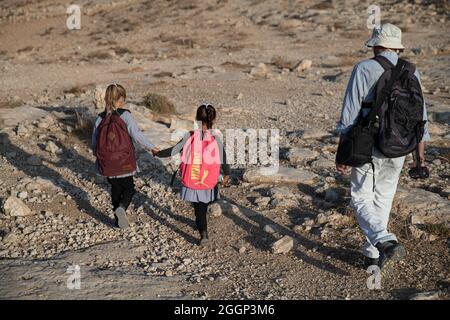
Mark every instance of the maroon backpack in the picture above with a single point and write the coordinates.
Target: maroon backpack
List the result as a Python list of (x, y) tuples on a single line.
[(115, 149)]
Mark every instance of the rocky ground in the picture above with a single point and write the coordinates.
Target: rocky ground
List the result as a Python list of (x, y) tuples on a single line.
[(264, 65)]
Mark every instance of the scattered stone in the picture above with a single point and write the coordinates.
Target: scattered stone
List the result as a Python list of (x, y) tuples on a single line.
[(314, 134), (15, 207), (242, 249), (22, 195), (52, 148), (299, 154), (304, 65), (281, 193), (221, 207), (269, 229), (22, 130), (169, 273), (260, 71), (284, 203), (262, 201), (323, 162), (45, 122), (284, 245), (11, 237)]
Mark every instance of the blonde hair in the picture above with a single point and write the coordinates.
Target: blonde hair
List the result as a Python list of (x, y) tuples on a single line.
[(113, 93)]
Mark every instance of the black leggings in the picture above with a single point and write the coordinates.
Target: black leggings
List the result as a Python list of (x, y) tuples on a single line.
[(122, 191), (200, 209)]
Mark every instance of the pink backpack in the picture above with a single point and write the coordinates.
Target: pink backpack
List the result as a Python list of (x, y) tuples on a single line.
[(200, 161)]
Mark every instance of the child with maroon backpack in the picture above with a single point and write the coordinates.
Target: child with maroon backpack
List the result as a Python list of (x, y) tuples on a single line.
[(115, 131), (202, 157)]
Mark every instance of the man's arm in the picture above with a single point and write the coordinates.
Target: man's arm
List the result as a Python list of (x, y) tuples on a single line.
[(426, 134), (356, 89)]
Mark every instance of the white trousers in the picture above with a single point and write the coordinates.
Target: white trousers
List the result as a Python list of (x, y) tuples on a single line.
[(373, 205)]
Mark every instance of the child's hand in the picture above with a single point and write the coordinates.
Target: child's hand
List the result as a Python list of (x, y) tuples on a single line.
[(154, 151), (226, 181)]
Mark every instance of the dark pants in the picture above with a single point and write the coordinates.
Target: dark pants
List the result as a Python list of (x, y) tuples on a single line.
[(200, 209), (122, 191)]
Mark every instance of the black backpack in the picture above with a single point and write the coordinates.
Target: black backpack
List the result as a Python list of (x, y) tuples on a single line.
[(401, 113), (395, 123)]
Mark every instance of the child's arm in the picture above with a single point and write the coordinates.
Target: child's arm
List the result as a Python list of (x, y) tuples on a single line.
[(94, 135), (175, 149), (135, 133)]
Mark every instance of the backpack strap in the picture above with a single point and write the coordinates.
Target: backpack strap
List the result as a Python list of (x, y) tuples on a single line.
[(384, 62), (119, 111), (122, 111)]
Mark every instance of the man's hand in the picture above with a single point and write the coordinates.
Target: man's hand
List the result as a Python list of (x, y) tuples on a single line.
[(342, 168), (226, 181), (154, 151)]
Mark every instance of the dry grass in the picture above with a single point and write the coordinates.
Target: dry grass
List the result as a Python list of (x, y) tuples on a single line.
[(158, 104), (283, 63), (84, 123), (77, 90), (120, 51), (10, 103), (440, 230), (100, 55), (325, 5)]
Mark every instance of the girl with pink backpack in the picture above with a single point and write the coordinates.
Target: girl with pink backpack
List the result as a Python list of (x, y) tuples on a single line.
[(202, 157)]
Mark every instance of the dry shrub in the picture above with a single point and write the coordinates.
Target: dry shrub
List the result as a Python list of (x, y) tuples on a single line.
[(78, 89), (325, 5), (283, 63), (158, 104), (101, 55), (84, 122)]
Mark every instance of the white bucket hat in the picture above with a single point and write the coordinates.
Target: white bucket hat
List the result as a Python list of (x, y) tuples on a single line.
[(387, 35)]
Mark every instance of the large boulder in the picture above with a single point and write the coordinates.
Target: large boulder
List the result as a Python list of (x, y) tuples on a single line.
[(222, 207), (15, 207), (438, 112), (14, 116), (421, 206), (282, 175)]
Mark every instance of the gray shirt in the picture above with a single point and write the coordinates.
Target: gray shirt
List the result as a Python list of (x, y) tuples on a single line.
[(362, 87)]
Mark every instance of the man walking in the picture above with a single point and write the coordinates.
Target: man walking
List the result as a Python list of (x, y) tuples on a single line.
[(373, 185)]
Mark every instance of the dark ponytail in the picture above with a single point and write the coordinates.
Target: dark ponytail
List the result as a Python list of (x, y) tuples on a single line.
[(206, 113)]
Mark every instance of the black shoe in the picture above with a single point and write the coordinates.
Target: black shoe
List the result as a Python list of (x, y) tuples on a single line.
[(390, 253), (370, 262), (204, 238)]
